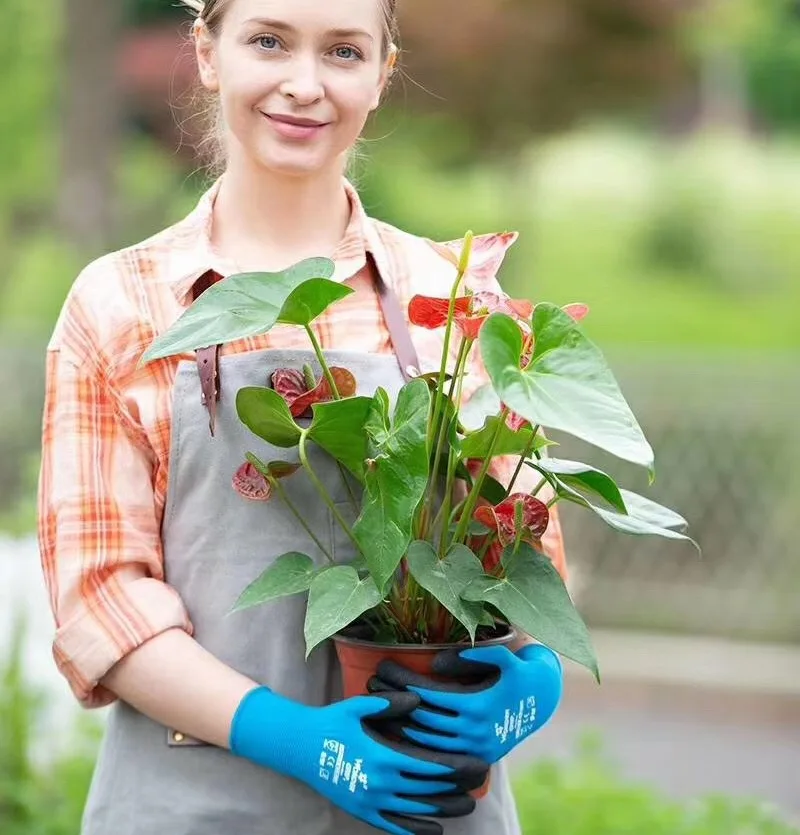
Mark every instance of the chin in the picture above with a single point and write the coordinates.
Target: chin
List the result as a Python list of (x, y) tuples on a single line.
[(295, 165)]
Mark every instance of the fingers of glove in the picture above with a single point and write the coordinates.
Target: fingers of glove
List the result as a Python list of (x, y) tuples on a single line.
[(540, 654), (439, 722), (390, 705), (399, 677), (410, 785), (403, 805), (407, 825), (466, 771), (496, 656), (377, 686), (438, 742)]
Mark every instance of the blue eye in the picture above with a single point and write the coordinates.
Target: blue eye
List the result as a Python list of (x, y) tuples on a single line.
[(268, 42), (347, 53)]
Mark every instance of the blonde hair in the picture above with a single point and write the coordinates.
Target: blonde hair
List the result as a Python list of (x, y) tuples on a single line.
[(211, 13)]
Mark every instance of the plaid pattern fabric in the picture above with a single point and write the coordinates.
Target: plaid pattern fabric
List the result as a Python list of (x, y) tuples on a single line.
[(106, 428)]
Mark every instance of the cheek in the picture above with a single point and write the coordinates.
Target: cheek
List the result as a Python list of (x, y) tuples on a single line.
[(357, 98)]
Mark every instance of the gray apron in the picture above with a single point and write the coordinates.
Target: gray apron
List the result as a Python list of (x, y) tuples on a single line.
[(150, 780)]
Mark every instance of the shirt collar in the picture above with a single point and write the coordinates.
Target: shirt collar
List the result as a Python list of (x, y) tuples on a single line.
[(191, 254)]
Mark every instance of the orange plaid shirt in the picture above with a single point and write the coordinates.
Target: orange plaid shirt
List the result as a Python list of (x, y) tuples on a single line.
[(106, 428)]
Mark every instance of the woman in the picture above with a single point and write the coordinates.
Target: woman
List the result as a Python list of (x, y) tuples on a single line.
[(218, 724)]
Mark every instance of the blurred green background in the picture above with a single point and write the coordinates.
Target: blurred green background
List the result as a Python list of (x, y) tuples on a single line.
[(649, 154)]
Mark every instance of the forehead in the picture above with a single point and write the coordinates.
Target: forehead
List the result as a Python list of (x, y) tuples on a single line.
[(309, 15)]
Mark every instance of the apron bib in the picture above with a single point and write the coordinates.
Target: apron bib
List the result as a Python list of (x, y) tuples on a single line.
[(150, 780)]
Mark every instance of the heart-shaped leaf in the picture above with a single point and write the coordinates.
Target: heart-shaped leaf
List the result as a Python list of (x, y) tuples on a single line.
[(338, 427), (310, 300), (395, 479), (265, 413), (336, 598), (644, 517), (243, 305), (477, 444), (533, 597), (446, 579), (567, 386), (582, 477), (291, 573)]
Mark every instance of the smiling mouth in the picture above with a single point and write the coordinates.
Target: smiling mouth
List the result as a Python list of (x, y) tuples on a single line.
[(295, 121)]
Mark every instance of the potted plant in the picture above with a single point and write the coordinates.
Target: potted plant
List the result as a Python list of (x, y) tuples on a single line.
[(444, 554)]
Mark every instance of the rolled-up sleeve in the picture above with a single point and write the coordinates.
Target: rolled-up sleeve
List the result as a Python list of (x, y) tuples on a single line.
[(99, 535)]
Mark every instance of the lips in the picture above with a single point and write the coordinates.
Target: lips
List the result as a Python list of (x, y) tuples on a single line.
[(294, 127), (295, 120)]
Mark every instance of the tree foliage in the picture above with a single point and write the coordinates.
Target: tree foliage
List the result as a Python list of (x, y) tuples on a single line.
[(509, 69)]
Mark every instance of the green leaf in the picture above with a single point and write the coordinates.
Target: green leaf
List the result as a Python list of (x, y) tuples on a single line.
[(395, 478), (446, 579), (291, 573), (534, 598), (652, 513), (581, 477), (338, 427), (337, 597), (265, 413), (275, 469), (477, 444), (644, 516), (237, 307), (568, 386), (311, 299)]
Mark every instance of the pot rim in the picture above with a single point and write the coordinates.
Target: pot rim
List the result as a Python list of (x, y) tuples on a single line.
[(502, 640)]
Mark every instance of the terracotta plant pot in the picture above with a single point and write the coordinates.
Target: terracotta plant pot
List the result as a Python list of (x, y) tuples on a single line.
[(359, 660)]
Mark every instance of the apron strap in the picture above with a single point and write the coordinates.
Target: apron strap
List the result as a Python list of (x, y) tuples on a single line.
[(396, 324)]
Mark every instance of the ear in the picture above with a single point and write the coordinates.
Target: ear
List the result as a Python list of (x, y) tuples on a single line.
[(206, 54), (386, 74)]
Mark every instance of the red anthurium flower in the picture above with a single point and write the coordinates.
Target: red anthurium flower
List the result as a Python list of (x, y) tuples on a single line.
[(488, 253), (289, 383), (292, 387), (516, 422), (431, 312), (577, 311), (251, 484), (483, 305), (502, 518)]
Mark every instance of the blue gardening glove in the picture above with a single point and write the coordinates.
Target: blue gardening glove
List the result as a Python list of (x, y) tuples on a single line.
[(490, 701), (340, 751)]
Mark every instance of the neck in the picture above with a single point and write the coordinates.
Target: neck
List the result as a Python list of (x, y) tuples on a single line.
[(265, 221)]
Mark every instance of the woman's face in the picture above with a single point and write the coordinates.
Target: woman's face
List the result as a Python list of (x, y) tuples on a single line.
[(297, 79)]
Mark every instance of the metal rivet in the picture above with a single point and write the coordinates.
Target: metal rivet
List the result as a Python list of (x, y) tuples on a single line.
[(178, 737)]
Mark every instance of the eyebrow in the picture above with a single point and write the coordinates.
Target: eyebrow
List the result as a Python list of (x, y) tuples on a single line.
[(287, 27)]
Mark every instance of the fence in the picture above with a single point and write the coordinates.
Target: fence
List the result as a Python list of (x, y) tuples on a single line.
[(725, 432)]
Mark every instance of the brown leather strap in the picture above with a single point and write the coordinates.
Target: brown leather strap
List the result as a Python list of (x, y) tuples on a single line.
[(208, 359), (396, 324)]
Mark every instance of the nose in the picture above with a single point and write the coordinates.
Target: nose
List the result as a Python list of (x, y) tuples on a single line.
[(303, 81)]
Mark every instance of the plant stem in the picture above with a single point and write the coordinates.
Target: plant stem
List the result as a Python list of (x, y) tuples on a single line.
[(525, 453), (322, 491), (472, 498), (321, 357), (278, 488), (462, 270), (463, 351)]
